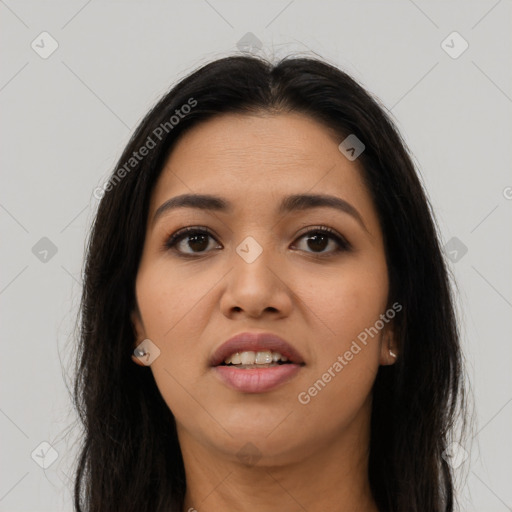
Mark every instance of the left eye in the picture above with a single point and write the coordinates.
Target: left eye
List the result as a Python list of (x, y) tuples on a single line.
[(318, 239), (198, 240)]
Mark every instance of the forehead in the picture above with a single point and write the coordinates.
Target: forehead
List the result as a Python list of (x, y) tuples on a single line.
[(250, 159)]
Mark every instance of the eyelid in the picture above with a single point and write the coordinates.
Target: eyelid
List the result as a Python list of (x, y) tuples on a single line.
[(174, 237), (343, 243)]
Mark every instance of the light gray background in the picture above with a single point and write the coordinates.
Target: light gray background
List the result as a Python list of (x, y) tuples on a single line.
[(66, 119)]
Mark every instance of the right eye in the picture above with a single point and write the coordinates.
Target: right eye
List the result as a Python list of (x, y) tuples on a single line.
[(194, 238)]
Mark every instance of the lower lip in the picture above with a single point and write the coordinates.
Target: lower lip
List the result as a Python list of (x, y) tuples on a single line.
[(256, 380)]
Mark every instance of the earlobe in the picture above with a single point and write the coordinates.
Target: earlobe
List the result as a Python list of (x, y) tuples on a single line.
[(136, 359), (139, 333), (389, 352), (388, 357)]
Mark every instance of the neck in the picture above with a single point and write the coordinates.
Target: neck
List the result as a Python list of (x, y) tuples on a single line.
[(332, 477)]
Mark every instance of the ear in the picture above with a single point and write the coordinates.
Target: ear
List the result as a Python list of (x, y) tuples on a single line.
[(139, 331), (388, 347)]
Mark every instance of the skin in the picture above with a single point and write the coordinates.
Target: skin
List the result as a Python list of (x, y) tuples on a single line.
[(309, 457)]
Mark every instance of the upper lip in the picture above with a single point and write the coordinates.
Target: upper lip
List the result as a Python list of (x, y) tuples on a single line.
[(250, 341)]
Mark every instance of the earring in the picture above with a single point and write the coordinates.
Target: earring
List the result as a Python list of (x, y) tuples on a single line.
[(139, 352), (392, 354)]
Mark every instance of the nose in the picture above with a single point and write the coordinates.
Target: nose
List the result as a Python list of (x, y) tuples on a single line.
[(255, 287)]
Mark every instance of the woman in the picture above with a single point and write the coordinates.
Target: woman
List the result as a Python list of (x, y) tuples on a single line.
[(267, 321)]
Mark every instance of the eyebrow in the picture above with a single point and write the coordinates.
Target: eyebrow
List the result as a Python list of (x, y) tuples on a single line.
[(296, 202)]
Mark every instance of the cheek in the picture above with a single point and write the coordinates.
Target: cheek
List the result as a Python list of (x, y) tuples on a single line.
[(172, 311), (347, 364), (167, 300), (339, 385), (349, 302)]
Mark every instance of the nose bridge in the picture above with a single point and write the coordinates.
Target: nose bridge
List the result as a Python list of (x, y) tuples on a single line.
[(255, 225), (254, 284), (253, 256)]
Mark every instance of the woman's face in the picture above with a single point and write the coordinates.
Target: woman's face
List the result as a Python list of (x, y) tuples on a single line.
[(262, 269)]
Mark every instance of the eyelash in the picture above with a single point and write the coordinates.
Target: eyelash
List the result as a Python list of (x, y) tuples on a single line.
[(343, 244)]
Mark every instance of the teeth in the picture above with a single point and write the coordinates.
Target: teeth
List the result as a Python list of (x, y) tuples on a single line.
[(250, 357), (263, 358)]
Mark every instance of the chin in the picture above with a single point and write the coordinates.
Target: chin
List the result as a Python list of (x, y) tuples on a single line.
[(257, 450)]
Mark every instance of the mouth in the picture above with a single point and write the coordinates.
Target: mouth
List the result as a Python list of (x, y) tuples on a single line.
[(250, 359), (256, 362)]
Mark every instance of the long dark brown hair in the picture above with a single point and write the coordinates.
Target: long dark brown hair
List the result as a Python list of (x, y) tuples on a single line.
[(130, 459)]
